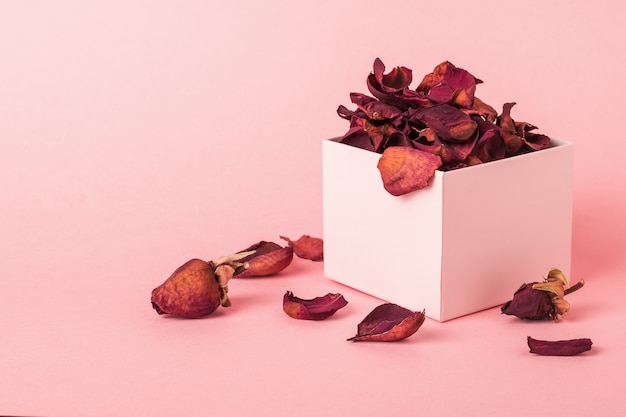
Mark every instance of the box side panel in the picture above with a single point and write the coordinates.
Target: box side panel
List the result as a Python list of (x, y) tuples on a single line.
[(386, 246), (505, 223)]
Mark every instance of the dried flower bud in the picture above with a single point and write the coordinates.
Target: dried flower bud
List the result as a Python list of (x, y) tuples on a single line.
[(192, 291), (387, 323), (263, 259), (560, 347), (307, 247), (542, 300), (318, 308)]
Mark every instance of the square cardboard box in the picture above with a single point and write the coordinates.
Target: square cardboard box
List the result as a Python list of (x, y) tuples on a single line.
[(463, 244)]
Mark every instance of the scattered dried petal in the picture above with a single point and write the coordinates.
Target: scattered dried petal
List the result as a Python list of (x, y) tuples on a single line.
[(192, 291), (405, 169), (267, 258), (560, 347), (307, 247), (318, 308), (387, 323)]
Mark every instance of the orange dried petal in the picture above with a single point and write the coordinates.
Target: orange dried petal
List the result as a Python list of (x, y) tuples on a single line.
[(307, 247), (405, 169)]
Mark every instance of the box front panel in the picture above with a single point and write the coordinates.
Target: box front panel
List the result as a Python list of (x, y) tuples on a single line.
[(505, 223), (386, 246)]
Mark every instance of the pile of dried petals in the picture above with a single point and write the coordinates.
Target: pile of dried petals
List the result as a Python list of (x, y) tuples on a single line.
[(439, 125), (197, 287)]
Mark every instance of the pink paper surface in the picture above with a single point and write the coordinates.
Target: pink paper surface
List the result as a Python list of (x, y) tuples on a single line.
[(137, 135)]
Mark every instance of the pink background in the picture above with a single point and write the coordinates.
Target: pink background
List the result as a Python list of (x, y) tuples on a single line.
[(139, 134)]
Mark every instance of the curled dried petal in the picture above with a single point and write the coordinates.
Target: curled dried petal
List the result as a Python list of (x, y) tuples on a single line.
[(387, 323), (449, 84), (318, 308), (268, 258), (569, 347), (529, 304), (405, 169), (192, 291), (307, 247)]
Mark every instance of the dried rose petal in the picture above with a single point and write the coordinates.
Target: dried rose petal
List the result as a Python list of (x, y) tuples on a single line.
[(318, 308), (307, 247), (192, 291), (569, 347), (449, 84), (405, 169), (267, 258), (387, 323), (389, 87), (529, 304), (448, 122), (542, 300)]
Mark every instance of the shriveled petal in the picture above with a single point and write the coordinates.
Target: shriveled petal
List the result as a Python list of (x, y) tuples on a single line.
[(387, 323), (318, 308), (268, 258), (405, 169), (449, 84), (529, 304), (389, 88), (397, 79), (356, 136), (447, 121), (307, 247), (569, 347)]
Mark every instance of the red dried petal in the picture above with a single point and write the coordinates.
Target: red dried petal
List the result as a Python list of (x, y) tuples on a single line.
[(269, 258), (529, 304), (448, 122), (318, 308), (405, 169), (387, 323), (397, 79), (449, 84), (569, 347), (192, 291), (307, 247)]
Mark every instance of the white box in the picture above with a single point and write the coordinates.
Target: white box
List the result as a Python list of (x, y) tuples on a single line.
[(461, 245)]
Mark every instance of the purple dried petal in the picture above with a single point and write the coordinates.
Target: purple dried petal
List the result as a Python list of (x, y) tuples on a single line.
[(447, 121), (449, 84), (529, 304), (396, 80), (318, 308), (569, 347), (358, 138), (377, 110), (387, 323), (389, 88)]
